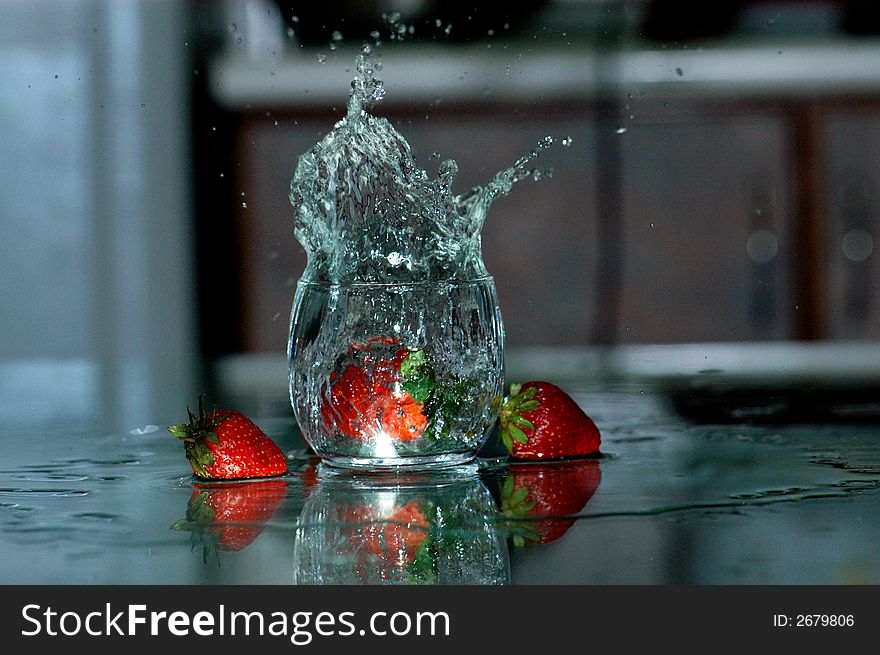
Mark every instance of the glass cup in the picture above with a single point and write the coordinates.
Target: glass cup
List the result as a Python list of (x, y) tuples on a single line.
[(391, 375)]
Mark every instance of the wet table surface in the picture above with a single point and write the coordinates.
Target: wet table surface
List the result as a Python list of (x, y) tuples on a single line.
[(669, 501)]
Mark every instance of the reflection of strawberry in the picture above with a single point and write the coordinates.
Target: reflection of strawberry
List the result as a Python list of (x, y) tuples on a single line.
[(309, 478), (540, 421), (397, 537), (364, 400), (229, 516), (540, 492), (388, 545), (223, 444)]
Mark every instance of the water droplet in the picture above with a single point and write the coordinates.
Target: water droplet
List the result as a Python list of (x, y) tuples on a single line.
[(147, 429), (332, 46), (448, 29), (620, 130), (567, 141), (492, 33), (336, 36), (679, 72), (143, 105), (378, 91), (378, 65), (375, 34), (233, 28), (56, 76), (435, 155), (651, 225), (244, 205), (290, 32), (438, 23), (366, 49), (322, 58)]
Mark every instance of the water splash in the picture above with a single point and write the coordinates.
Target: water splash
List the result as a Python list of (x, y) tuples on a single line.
[(367, 212)]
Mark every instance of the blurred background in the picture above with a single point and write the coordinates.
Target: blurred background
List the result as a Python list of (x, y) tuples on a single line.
[(720, 186)]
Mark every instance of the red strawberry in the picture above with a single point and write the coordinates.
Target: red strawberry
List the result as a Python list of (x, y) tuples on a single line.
[(560, 489), (224, 444), (540, 421), (349, 402), (362, 402), (229, 516)]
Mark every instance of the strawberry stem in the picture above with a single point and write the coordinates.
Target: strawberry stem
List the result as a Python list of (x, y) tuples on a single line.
[(195, 434), (512, 423)]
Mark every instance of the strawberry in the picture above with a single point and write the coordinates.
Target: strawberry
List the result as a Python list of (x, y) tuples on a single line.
[(230, 516), (540, 421), (397, 395), (547, 496), (224, 444), (367, 398)]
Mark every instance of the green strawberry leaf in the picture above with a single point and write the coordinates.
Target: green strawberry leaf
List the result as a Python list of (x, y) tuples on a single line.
[(419, 389), (519, 495), (523, 422), (507, 487), (414, 365), (417, 376), (517, 434), (511, 420), (443, 407)]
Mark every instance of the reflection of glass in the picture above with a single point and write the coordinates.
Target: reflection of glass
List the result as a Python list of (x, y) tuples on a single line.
[(393, 531)]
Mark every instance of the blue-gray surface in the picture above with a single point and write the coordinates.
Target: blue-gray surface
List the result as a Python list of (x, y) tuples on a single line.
[(668, 502)]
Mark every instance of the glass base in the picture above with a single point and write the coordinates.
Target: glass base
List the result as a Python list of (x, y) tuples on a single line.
[(384, 465)]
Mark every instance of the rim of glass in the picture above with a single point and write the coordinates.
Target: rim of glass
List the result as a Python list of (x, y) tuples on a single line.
[(388, 285)]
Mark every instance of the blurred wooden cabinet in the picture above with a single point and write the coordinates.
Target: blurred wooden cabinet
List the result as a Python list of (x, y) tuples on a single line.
[(852, 141), (707, 229), (669, 219)]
